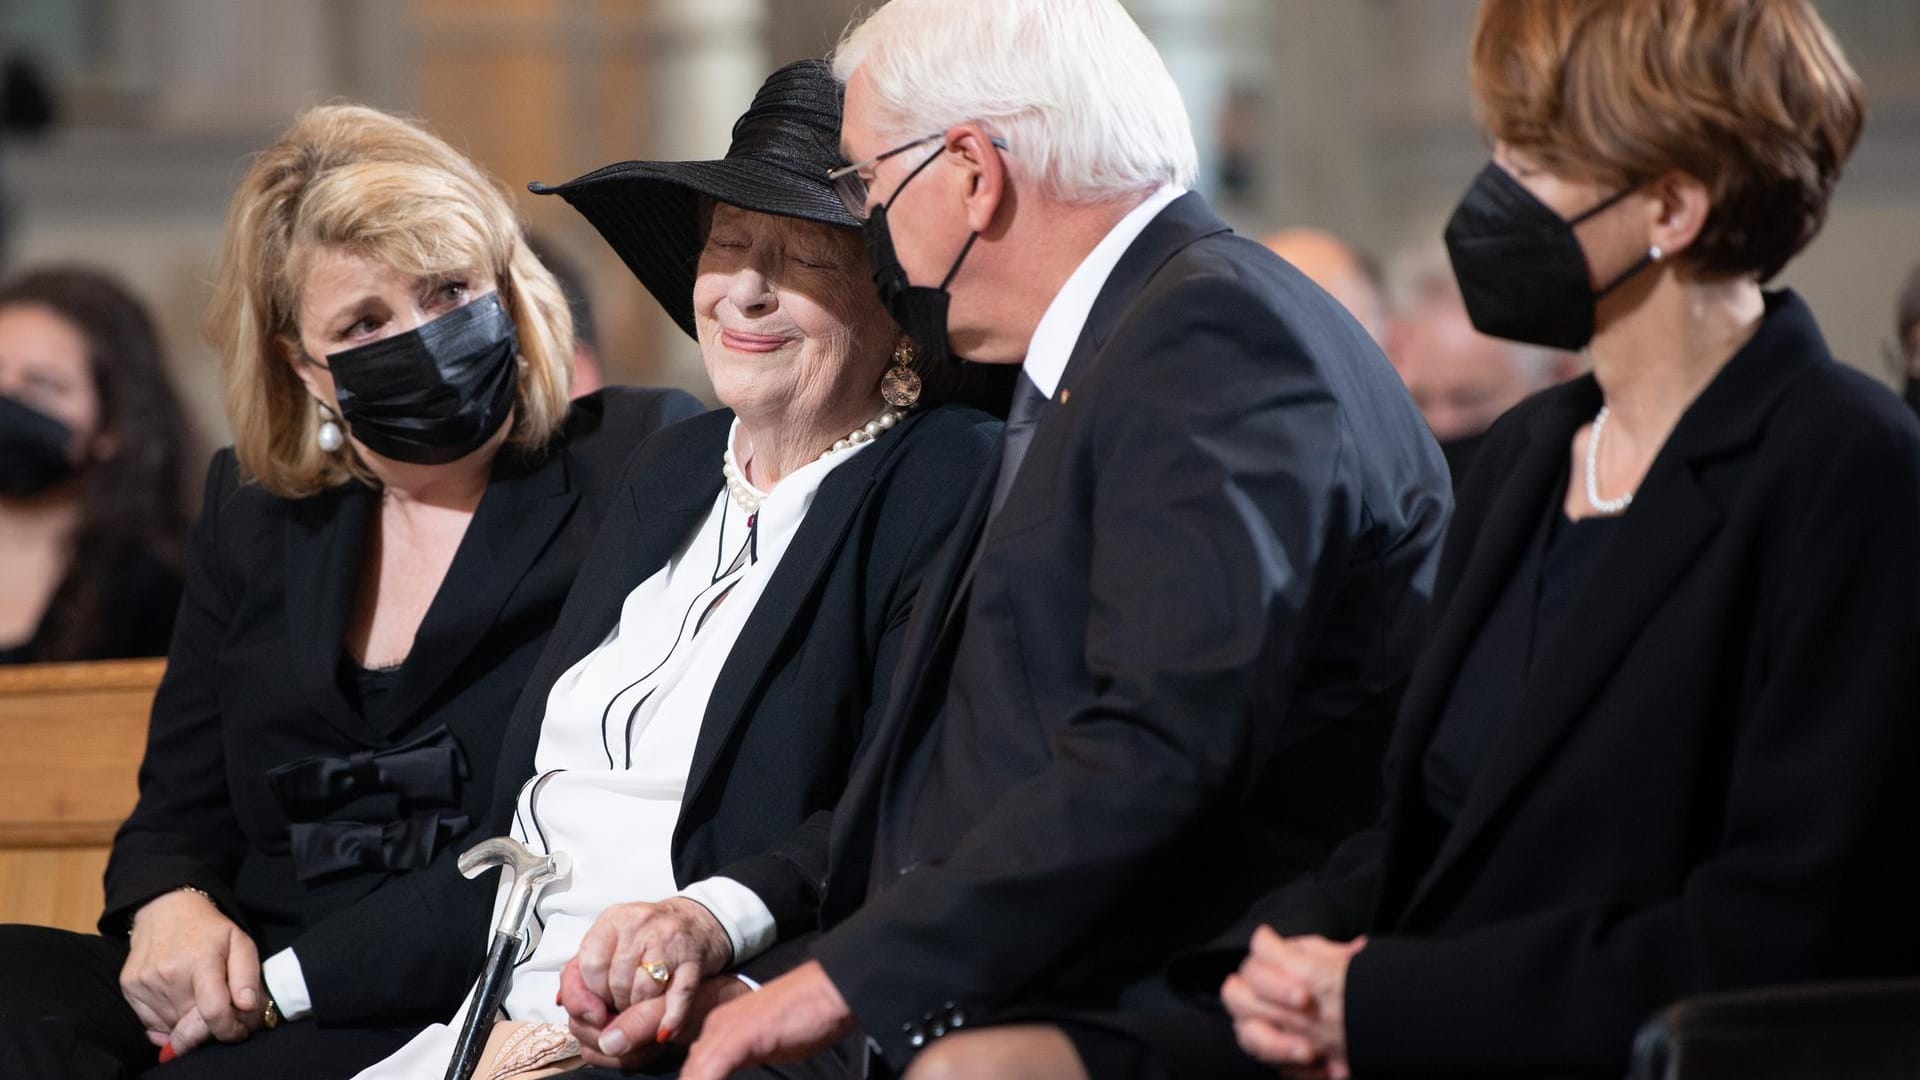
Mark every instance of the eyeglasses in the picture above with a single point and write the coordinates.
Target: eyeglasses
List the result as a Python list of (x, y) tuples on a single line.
[(850, 181)]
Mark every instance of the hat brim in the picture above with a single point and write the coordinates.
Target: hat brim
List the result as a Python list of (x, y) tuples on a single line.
[(649, 212)]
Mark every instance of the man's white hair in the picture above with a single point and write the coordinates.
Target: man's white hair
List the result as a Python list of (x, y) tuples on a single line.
[(1082, 98)]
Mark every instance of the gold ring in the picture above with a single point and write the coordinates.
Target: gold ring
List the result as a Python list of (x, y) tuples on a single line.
[(656, 971)]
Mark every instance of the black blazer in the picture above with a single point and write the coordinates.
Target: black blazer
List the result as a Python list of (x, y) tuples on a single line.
[(1216, 554), (789, 711), (1714, 785), (254, 685)]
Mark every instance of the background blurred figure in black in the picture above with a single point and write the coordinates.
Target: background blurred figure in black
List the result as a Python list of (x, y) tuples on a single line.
[(588, 375), (91, 502), (1461, 379), (1907, 344)]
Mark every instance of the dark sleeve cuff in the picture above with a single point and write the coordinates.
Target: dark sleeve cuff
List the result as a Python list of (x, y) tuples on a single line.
[(128, 892), (792, 894), (410, 950)]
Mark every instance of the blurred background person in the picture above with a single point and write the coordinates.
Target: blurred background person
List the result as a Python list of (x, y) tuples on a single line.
[(588, 374), (1348, 273), (92, 443), (1906, 342), (1461, 379)]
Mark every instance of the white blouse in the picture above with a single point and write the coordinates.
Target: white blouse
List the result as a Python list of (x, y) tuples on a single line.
[(616, 747)]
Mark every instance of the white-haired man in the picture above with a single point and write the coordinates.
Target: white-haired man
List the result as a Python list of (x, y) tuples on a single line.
[(1146, 677)]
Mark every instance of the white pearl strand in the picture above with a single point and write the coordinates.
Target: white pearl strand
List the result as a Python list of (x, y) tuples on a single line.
[(1604, 506), (748, 499)]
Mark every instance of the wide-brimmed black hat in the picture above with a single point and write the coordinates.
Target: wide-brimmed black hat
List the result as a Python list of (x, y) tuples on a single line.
[(783, 148)]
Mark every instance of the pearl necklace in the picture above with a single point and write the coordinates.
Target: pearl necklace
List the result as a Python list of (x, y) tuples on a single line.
[(748, 498), (1604, 506)]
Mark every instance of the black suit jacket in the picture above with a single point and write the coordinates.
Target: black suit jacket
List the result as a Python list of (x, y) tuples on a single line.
[(1214, 558), (1712, 787), (253, 683), (788, 713)]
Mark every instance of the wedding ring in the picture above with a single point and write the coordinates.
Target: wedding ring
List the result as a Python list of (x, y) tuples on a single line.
[(656, 971)]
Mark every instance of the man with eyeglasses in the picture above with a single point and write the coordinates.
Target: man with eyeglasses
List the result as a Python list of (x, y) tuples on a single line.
[(1152, 673)]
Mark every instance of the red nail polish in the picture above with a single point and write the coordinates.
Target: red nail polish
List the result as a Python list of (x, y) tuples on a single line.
[(167, 1054), (556, 997), (664, 1036)]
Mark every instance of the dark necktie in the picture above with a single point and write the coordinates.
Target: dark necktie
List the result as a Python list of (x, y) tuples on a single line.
[(1022, 417)]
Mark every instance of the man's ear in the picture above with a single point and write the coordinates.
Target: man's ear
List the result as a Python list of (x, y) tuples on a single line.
[(983, 171)]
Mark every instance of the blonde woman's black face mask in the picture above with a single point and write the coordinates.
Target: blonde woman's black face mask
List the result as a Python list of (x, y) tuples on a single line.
[(436, 393)]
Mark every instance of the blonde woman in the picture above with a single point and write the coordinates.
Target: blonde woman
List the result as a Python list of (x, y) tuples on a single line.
[(381, 555)]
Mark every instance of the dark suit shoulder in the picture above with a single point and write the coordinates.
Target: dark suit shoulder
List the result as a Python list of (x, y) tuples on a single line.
[(237, 514), (1849, 417), (1225, 308)]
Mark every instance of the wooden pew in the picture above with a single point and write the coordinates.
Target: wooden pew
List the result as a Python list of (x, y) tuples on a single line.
[(71, 738)]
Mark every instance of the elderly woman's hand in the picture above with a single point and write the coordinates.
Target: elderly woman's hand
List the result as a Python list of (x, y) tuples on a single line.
[(1288, 1003), (631, 1040), (678, 934)]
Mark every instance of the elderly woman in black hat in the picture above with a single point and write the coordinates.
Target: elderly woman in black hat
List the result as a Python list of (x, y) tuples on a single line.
[(693, 720)]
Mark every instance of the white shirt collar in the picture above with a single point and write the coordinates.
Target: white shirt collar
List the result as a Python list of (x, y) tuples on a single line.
[(1059, 329)]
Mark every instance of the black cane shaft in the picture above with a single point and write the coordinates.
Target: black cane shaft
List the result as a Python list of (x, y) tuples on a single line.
[(486, 1002)]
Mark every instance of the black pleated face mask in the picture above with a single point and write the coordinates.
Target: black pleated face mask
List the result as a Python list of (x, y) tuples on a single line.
[(33, 449), (1521, 269), (436, 393), (920, 310)]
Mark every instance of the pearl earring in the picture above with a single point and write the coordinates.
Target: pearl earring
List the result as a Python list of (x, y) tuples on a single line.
[(328, 436), (1654, 254)]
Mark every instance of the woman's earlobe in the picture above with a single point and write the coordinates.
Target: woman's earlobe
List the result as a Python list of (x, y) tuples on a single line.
[(1684, 206)]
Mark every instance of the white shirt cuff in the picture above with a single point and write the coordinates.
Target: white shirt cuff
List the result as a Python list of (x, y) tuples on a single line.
[(287, 985), (740, 912)]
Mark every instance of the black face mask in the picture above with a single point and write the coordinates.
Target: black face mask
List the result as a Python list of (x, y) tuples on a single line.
[(1520, 267), (921, 311), (436, 393), (33, 449)]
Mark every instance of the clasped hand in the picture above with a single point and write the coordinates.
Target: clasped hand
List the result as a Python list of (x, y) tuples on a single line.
[(620, 1014), (1288, 1003), (191, 973)]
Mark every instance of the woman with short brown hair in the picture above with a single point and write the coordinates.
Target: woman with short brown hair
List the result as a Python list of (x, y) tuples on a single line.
[(1662, 740)]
